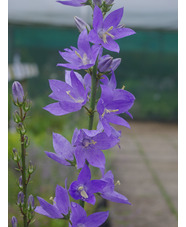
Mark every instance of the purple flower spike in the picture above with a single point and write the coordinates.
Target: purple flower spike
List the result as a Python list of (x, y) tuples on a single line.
[(105, 31), (88, 145), (84, 188), (64, 150), (112, 102), (75, 3), (70, 98), (60, 207), (17, 92), (109, 193), (79, 217), (82, 58)]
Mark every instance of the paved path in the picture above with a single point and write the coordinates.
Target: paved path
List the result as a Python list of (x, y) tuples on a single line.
[(146, 166)]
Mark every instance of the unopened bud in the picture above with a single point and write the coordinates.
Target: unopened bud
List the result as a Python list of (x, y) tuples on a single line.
[(105, 63), (115, 63), (18, 93), (109, 2), (27, 105), (15, 154), (20, 198), (21, 129), (97, 2), (30, 168), (30, 202), (20, 182), (14, 221), (81, 24), (16, 117), (27, 142)]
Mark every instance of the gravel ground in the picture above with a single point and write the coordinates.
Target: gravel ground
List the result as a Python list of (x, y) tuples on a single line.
[(147, 167)]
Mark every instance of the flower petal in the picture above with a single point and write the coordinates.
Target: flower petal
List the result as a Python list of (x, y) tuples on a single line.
[(58, 158), (51, 210), (113, 19), (83, 43), (96, 158), (119, 33), (116, 197), (62, 200), (80, 157), (55, 109), (117, 120), (97, 18), (96, 219), (111, 45), (84, 175)]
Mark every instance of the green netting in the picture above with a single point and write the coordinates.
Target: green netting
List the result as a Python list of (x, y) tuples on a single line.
[(149, 65)]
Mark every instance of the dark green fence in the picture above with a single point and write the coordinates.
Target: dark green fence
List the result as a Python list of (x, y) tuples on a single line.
[(149, 65)]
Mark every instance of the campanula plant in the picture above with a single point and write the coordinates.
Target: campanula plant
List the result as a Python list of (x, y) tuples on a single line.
[(85, 151)]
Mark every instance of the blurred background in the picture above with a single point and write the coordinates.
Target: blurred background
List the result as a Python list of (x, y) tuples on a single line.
[(146, 164)]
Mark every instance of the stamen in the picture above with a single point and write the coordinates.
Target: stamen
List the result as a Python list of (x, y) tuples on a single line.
[(117, 183), (108, 111), (76, 100), (78, 55), (93, 142), (123, 87)]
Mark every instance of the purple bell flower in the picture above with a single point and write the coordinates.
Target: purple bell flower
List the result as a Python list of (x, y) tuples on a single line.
[(84, 188), (17, 92), (113, 102), (108, 191), (105, 31), (89, 145), (79, 217), (64, 151), (71, 96), (75, 3), (60, 207), (82, 58)]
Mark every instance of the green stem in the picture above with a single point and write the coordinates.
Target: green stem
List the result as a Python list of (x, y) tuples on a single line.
[(24, 181), (93, 96)]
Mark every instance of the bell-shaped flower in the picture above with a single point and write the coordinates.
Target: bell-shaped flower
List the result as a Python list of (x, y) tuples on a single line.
[(60, 207), (75, 3), (71, 96), (78, 217), (89, 145), (84, 188), (108, 191), (113, 102), (64, 151), (82, 58), (106, 31)]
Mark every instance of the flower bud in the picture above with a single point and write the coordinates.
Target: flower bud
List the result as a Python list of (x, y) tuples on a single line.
[(30, 202), (105, 63), (16, 117), (17, 92), (14, 221), (26, 141), (20, 198), (15, 154), (27, 105), (115, 63), (21, 129), (20, 182), (109, 2), (97, 2), (81, 24), (30, 168)]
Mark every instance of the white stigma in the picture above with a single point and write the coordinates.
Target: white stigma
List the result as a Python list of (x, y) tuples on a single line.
[(83, 192)]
